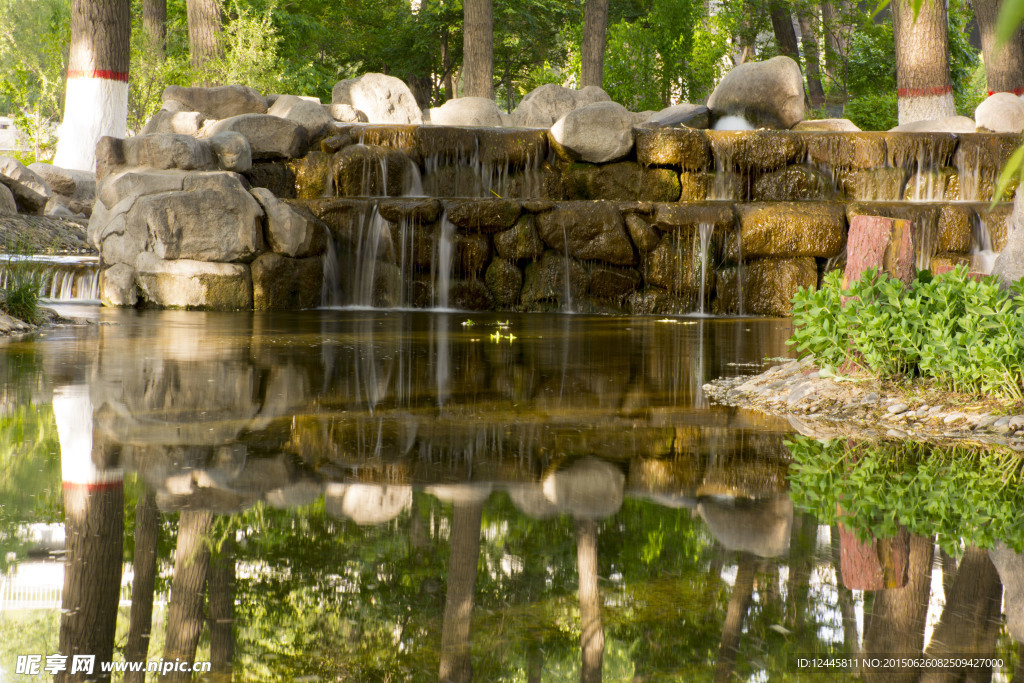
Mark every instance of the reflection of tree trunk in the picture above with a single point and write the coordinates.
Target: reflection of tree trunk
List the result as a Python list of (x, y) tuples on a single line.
[(739, 603), (535, 661), (896, 624), (456, 666), (971, 618), (844, 597), (94, 527), (808, 39), (1018, 675), (140, 623), (595, 25), (591, 628), (948, 563), (185, 614), (803, 535), (220, 586)]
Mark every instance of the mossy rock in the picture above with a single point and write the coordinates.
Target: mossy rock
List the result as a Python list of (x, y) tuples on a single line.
[(624, 181), (846, 151), (767, 287), (877, 184), (955, 233), (483, 215), (916, 151), (359, 171), (682, 148), (801, 182), (312, 175), (545, 279), (521, 241), (754, 151), (504, 281), (790, 229)]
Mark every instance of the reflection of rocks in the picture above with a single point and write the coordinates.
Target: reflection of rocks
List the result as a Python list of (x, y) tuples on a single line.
[(367, 503), (759, 526), (589, 489)]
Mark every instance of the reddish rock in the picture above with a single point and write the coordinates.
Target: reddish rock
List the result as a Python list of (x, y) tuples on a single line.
[(883, 243)]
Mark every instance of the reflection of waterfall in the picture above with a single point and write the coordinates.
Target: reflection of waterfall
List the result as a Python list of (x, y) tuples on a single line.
[(442, 355)]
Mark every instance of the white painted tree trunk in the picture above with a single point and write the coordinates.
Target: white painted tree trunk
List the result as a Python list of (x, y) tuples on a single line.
[(926, 107), (94, 107)]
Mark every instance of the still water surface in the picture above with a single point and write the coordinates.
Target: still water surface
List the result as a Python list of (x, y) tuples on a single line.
[(392, 496)]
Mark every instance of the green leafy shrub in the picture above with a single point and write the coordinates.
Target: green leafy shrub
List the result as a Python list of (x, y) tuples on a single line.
[(19, 296), (963, 333)]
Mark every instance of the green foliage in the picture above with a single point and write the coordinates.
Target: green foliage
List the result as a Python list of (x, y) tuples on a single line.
[(954, 329), (251, 44), (22, 283), (875, 111), (963, 495)]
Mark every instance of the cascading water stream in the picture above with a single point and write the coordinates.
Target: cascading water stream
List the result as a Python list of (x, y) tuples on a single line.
[(704, 231), (59, 278), (444, 258)]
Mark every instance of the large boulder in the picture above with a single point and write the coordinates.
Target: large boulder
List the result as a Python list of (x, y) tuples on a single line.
[(30, 191), (544, 105), (193, 284), (174, 117), (8, 207), (218, 102), (466, 111), (269, 137), (307, 113), (791, 229), (384, 99), (1002, 112), (281, 283), (345, 113), (769, 94), (949, 124), (587, 231), (597, 133), (682, 114), (289, 230), (168, 150), (117, 286)]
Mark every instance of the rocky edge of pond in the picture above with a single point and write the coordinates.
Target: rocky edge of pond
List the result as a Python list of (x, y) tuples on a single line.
[(821, 405)]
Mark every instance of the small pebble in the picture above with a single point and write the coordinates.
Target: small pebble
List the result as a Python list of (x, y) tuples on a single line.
[(1001, 422), (952, 417), (923, 408), (1017, 421), (898, 408), (934, 410), (871, 398)]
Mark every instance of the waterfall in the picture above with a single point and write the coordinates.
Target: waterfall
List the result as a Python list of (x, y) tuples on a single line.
[(704, 234), (60, 278), (567, 306), (983, 255), (444, 258)]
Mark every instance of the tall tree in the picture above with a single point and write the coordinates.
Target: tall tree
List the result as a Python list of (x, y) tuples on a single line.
[(478, 48), (205, 23), (595, 28), (923, 86), (782, 26), (154, 24), (1004, 63), (96, 100), (808, 20)]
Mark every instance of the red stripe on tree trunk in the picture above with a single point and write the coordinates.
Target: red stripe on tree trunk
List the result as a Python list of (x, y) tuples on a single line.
[(100, 73), (1018, 92), (98, 486), (924, 92)]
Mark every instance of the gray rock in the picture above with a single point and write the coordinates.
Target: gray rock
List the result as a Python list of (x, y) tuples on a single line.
[(115, 188), (898, 408), (543, 106), (117, 286), (384, 99), (232, 151), (8, 207), (599, 232), (953, 417), (949, 124), (1016, 422), (596, 133), (345, 113), (827, 125), (269, 137), (289, 231), (174, 118), (466, 111), (308, 114), (28, 188), (168, 150), (769, 94), (219, 102), (799, 393), (60, 180), (280, 283), (1002, 112), (682, 114), (193, 284), (1009, 265)]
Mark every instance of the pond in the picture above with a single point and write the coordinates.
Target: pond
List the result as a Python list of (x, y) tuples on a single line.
[(368, 495)]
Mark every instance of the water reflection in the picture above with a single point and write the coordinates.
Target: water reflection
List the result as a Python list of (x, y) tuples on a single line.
[(373, 496)]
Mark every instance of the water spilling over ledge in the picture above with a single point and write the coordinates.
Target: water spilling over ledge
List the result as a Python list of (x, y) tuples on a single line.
[(691, 221)]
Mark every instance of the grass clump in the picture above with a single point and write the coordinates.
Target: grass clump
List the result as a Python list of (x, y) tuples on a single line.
[(961, 332), (19, 294)]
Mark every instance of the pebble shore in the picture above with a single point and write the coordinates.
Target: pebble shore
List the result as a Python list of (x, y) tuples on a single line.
[(821, 405)]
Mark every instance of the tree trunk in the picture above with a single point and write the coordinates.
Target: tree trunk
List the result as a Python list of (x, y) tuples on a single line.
[(837, 26), (739, 603), (923, 84), (595, 26), (154, 24), (96, 101), (140, 622), (94, 524), (782, 26), (808, 19), (896, 624), (185, 614), (478, 48), (456, 665), (446, 68), (204, 28), (970, 620), (220, 590), (1004, 64), (591, 628)]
